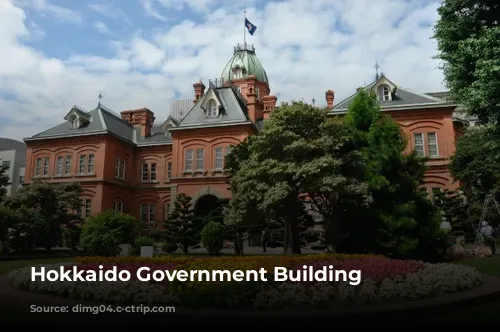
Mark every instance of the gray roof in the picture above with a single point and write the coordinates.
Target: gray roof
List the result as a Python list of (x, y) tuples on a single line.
[(102, 120), (402, 99), (232, 110)]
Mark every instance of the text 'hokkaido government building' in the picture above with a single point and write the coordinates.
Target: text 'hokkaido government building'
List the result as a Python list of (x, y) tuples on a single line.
[(129, 163)]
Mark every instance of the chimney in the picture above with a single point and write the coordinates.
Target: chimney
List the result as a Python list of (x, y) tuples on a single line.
[(269, 103), (199, 91), (329, 98), (142, 118)]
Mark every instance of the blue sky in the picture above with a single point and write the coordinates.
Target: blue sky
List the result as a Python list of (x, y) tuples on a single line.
[(144, 53)]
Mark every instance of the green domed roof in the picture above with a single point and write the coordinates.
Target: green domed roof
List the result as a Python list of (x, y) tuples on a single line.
[(244, 58)]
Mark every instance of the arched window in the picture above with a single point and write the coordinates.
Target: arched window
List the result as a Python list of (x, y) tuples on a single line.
[(384, 93), (74, 122), (212, 109), (237, 72)]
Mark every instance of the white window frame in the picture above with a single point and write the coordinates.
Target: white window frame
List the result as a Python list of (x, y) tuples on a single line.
[(169, 170), (118, 206), (200, 159), (212, 109), (152, 172), (38, 167), (67, 164), (147, 213), (429, 144), (218, 158), (90, 163), (384, 93), (188, 160), (46, 166), (145, 172), (75, 122), (422, 145), (82, 164), (120, 169)]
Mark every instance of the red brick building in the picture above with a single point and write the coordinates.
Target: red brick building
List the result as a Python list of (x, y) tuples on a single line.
[(132, 163)]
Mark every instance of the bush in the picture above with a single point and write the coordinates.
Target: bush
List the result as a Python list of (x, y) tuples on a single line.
[(103, 233), (169, 247), (71, 236), (156, 234), (142, 241), (212, 237)]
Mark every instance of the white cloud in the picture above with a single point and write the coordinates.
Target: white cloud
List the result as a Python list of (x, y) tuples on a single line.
[(151, 11), (44, 7), (111, 12), (306, 47), (101, 27)]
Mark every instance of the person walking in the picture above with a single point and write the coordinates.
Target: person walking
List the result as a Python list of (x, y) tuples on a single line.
[(487, 232), (263, 240)]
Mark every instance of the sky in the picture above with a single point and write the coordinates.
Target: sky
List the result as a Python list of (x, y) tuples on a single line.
[(143, 53)]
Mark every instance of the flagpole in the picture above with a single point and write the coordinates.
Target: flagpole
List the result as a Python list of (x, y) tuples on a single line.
[(244, 29)]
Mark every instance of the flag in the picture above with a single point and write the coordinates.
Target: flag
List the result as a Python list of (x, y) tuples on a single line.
[(250, 27)]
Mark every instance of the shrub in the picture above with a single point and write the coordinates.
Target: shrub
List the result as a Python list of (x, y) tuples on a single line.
[(212, 237), (71, 236), (169, 247), (103, 233), (142, 241)]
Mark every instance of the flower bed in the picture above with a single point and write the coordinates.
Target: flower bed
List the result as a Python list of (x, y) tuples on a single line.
[(383, 280)]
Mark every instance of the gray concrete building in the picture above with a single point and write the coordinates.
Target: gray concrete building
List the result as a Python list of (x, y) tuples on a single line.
[(13, 154)]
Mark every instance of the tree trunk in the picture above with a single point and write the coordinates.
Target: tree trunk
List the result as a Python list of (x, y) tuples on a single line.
[(238, 244), (291, 240)]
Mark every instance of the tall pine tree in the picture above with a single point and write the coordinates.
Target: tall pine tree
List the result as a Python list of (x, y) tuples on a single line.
[(181, 226)]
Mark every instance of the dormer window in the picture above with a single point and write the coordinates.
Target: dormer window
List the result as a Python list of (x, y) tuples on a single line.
[(212, 109), (168, 134), (237, 72), (75, 123), (384, 94)]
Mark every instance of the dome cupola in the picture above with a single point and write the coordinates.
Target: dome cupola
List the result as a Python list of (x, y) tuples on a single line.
[(244, 63)]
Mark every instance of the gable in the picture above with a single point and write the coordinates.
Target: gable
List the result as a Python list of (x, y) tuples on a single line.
[(231, 110), (399, 98)]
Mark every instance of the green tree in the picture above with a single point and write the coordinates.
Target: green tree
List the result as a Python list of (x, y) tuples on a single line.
[(400, 221), (242, 218), (468, 38), (182, 227), (476, 162), (298, 151), (103, 233), (4, 181), (212, 237), (55, 205), (453, 205)]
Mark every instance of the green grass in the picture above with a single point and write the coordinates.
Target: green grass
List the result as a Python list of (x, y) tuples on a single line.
[(9, 265)]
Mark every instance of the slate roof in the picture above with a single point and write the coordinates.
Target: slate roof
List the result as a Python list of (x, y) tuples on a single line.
[(105, 121), (233, 110), (402, 99)]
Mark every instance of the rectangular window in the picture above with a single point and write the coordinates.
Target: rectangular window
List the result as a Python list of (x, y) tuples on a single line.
[(117, 207), (59, 165), (166, 210), (199, 159), (169, 171), (120, 169), (117, 168), (189, 160), (432, 144), (82, 164), (21, 179), (88, 208), (144, 212), (419, 144), (219, 159), (46, 165), (67, 166), (228, 150), (145, 172), (152, 210), (38, 167), (90, 164), (152, 174)]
